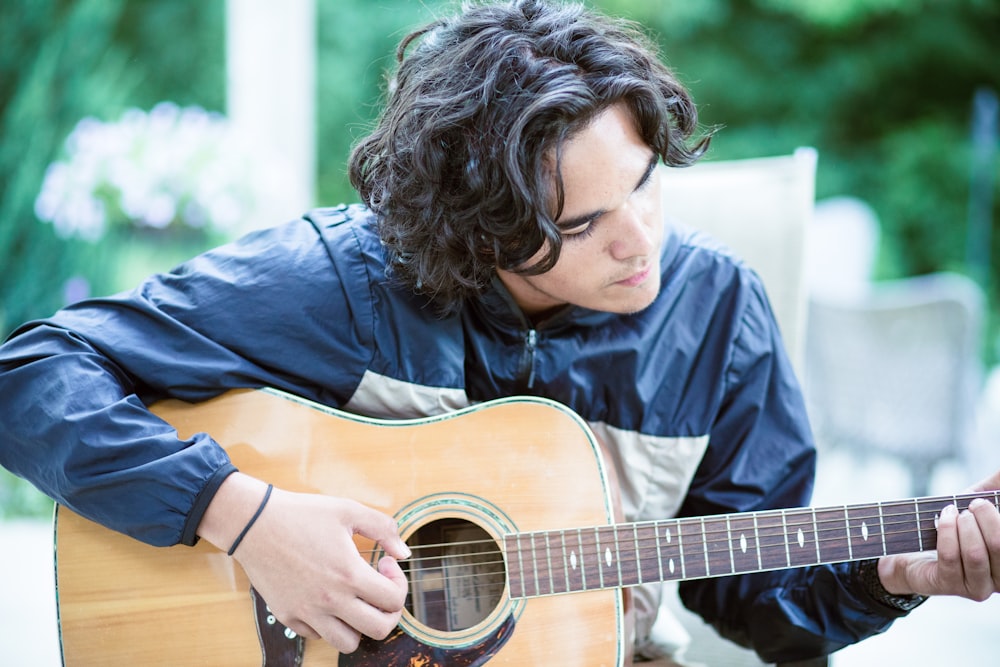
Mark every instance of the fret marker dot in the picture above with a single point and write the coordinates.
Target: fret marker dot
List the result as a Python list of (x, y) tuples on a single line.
[(864, 530), (666, 534), (801, 538), (743, 543), (670, 565), (572, 560), (607, 556)]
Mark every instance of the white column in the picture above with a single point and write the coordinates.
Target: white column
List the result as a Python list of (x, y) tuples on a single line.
[(271, 100)]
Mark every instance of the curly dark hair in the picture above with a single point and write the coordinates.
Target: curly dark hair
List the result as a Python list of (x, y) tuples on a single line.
[(462, 167)]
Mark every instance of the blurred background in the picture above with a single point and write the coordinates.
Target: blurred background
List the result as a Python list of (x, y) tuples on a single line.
[(134, 134)]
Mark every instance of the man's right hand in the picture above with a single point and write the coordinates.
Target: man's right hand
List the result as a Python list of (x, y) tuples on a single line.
[(301, 558)]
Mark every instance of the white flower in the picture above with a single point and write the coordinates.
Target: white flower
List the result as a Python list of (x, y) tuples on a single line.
[(169, 167)]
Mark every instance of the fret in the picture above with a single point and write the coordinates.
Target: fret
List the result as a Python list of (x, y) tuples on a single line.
[(800, 531), (743, 544), (832, 539), (648, 547), (916, 509), (515, 567), (847, 532), (609, 557), (691, 543), (597, 553), (899, 525), (717, 546), (864, 531), (670, 550), (928, 512), (548, 563), (881, 521), (543, 583), (756, 536), (559, 564), (680, 549), (574, 573), (729, 541), (590, 562), (628, 558), (819, 558), (788, 548), (659, 552), (772, 545), (635, 550)]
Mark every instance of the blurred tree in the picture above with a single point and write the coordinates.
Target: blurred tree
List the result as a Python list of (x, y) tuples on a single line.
[(58, 65), (356, 44), (883, 88), (66, 60)]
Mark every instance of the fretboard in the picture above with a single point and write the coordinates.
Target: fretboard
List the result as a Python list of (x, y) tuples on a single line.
[(613, 556)]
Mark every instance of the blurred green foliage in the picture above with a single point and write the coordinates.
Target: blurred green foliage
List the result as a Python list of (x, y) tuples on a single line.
[(882, 88), (66, 59)]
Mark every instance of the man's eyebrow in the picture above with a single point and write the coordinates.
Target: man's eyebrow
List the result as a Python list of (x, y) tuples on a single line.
[(654, 161), (580, 220)]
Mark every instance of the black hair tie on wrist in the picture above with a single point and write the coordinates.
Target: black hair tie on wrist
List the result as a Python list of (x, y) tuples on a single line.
[(253, 519)]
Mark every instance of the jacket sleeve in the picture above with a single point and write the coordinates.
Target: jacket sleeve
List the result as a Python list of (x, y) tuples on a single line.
[(761, 456), (265, 311)]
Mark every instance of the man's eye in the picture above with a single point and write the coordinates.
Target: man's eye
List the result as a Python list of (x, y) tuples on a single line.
[(579, 232)]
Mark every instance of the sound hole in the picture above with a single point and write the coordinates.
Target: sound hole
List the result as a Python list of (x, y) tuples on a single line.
[(456, 574)]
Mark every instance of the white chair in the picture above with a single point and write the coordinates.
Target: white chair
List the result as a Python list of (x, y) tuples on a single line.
[(761, 208), (896, 371), (842, 246)]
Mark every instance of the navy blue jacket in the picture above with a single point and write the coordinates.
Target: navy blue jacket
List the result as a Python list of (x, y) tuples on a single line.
[(694, 394)]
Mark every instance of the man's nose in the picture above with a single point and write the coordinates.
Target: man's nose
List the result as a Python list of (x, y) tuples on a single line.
[(633, 237)]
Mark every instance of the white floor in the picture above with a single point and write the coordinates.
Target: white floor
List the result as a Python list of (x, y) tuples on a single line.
[(28, 627)]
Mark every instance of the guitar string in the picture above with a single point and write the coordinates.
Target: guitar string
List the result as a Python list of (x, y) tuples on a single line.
[(716, 521), (559, 574), (642, 551), (552, 584)]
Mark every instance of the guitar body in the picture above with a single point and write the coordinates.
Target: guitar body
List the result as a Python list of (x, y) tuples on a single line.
[(512, 465)]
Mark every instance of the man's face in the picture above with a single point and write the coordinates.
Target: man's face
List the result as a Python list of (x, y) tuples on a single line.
[(612, 225)]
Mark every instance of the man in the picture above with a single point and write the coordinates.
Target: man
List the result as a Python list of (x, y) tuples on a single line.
[(512, 242)]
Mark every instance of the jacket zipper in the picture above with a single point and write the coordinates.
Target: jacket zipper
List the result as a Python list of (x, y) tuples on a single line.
[(528, 360)]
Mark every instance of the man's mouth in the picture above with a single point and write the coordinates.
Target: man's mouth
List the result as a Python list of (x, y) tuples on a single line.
[(636, 278)]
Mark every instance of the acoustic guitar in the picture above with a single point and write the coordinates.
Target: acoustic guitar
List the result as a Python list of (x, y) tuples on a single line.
[(507, 507)]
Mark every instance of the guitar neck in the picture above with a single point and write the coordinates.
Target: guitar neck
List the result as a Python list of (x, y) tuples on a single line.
[(581, 559)]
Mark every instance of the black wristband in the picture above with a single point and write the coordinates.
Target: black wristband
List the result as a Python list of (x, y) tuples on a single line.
[(253, 519), (867, 573)]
